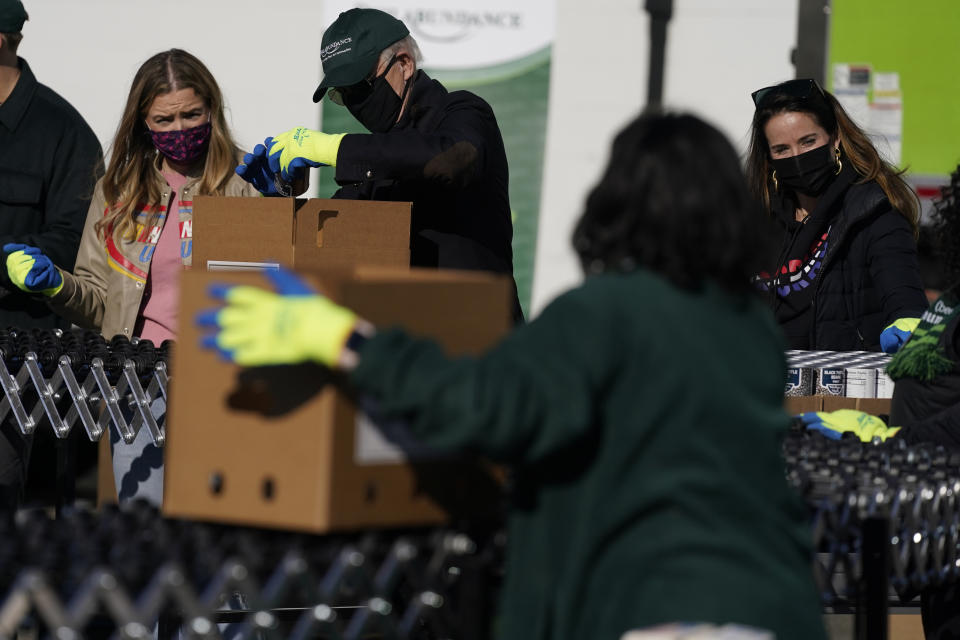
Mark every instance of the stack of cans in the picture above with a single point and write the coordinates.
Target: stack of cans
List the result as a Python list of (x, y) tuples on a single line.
[(854, 374)]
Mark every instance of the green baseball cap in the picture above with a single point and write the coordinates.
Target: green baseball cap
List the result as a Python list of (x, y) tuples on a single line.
[(352, 44), (12, 16)]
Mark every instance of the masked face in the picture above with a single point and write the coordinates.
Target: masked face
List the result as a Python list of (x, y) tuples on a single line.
[(801, 152), (809, 173), (374, 102), (179, 125), (184, 146)]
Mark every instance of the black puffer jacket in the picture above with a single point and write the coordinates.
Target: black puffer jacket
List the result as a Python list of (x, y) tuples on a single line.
[(870, 274)]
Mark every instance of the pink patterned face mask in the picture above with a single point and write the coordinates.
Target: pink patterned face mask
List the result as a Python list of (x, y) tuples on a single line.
[(184, 146)]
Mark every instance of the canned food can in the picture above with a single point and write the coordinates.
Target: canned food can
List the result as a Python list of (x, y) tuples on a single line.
[(861, 382), (799, 382), (830, 381), (885, 384)]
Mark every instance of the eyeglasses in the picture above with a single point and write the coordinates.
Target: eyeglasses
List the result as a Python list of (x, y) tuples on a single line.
[(360, 91), (802, 88)]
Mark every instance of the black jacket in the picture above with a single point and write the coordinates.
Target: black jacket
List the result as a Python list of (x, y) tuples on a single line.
[(929, 410), (49, 162), (870, 274), (446, 156)]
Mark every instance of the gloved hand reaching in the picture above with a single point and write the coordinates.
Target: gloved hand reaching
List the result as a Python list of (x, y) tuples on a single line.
[(30, 270), (298, 148), (897, 334), (833, 424), (293, 325), (256, 169)]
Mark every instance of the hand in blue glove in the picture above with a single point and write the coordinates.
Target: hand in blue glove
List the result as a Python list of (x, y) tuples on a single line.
[(833, 424), (256, 170), (897, 334), (259, 327), (32, 271)]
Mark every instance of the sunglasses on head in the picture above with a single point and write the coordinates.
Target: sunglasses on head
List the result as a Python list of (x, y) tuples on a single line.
[(802, 88), (359, 91)]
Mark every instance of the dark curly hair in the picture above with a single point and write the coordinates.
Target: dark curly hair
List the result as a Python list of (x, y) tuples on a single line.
[(672, 199), (946, 229)]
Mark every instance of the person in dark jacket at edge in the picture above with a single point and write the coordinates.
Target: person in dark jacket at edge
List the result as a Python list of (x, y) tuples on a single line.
[(440, 150), (847, 275), (49, 162), (643, 439), (926, 398)]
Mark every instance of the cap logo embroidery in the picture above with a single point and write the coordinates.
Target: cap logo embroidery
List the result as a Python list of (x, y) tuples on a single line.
[(335, 48)]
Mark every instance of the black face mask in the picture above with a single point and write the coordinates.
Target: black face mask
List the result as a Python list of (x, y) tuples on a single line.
[(809, 173), (380, 108)]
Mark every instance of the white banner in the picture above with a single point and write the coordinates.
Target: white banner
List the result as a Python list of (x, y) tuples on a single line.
[(458, 34)]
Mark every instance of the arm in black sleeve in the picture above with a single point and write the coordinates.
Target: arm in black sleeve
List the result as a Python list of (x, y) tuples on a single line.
[(452, 155), (68, 188), (894, 267), (942, 427)]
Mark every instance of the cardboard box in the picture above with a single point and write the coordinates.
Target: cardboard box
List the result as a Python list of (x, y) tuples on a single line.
[(310, 234), (263, 447), (801, 404)]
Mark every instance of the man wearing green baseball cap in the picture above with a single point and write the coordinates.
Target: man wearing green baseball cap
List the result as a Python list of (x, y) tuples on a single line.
[(48, 160), (440, 150)]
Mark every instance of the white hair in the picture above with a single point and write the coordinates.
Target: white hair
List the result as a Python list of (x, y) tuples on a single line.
[(407, 45)]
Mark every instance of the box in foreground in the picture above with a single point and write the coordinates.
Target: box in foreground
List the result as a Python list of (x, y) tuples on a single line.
[(285, 447)]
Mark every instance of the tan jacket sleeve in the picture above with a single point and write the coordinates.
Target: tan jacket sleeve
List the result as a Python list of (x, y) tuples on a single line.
[(81, 300)]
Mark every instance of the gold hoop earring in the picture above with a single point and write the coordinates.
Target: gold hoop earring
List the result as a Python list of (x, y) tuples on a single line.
[(773, 176)]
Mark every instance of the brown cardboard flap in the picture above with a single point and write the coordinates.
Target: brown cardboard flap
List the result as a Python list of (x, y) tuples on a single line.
[(874, 406), (313, 235), (423, 306), (802, 404), (832, 403), (338, 258), (243, 230), (334, 224), (366, 272)]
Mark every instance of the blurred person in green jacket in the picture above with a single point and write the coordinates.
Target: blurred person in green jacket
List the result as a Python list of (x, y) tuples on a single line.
[(641, 412)]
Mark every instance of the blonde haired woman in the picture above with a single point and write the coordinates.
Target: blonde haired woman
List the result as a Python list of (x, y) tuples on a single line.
[(172, 144)]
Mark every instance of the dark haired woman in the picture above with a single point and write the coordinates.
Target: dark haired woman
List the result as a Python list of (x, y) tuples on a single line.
[(172, 144), (846, 276), (623, 408)]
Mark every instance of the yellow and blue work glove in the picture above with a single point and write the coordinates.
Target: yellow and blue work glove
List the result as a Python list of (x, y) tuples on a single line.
[(293, 151), (833, 424), (257, 327), (256, 170), (897, 334), (32, 271)]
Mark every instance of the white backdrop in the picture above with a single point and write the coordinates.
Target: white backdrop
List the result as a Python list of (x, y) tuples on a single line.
[(264, 55), (717, 53)]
